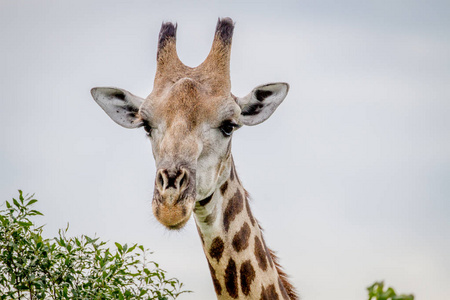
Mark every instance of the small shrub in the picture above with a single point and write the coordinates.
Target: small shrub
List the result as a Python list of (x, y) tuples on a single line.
[(32, 267), (377, 292)]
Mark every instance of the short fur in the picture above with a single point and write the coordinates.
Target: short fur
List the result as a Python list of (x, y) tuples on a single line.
[(184, 117)]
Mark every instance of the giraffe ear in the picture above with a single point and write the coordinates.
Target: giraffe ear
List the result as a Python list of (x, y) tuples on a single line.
[(260, 104), (120, 105)]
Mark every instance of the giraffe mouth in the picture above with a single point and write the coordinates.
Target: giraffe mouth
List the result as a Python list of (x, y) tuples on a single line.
[(174, 196), (173, 214)]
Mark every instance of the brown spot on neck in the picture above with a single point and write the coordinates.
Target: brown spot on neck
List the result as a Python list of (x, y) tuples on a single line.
[(224, 188), (260, 254), (216, 249), (234, 207), (232, 172), (231, 279), (269, 293), (240, 239), (247, 273)]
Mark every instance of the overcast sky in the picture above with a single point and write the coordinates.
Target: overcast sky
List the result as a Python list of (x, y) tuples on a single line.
[(350, 177)]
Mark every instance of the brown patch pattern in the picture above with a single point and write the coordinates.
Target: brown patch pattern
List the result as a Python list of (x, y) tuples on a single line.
[(232, 172), (231, 279), (223, 188), (249, 212), (216, 282), (187, 99), (240, 239), (234, 207), (260, 254), (247, 276), (216, 249), (269, 293)]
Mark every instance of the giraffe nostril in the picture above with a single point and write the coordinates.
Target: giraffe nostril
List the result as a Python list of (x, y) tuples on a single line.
[(178, 180), (183, 180), (160, 180)]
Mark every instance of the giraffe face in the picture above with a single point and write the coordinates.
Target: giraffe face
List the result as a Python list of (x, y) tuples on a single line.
[(190, 132), (190, 117)]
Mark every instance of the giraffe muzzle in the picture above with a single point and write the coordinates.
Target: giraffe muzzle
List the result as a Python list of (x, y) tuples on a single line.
[(174, 196)]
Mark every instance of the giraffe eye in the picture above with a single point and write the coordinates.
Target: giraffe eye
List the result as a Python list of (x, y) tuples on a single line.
[(148, 129), (227, 128)]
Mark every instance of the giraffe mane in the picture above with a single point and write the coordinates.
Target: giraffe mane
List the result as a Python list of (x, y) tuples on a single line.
[(284, 278), (292, 293)]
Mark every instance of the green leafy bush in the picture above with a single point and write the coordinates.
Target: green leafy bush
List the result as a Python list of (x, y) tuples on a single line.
[(377, 292), (32, 267)]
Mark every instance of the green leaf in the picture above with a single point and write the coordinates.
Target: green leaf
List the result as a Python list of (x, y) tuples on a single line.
[(16, 203), (25, 224), (3, 220), (132, 248), (376, 292), (32, 201), (89, 240), (35, 212)]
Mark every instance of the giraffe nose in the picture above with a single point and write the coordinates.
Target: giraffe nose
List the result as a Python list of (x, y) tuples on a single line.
[(177, 179), (174, 195)]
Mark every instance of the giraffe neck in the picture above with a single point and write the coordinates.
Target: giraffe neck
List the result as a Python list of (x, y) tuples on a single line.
[(241, 265)]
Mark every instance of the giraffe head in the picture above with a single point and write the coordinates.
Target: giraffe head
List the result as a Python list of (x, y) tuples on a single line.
[(190, 117)]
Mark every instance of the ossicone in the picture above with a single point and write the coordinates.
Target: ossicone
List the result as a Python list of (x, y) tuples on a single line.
[(167, 33), (224, 30)]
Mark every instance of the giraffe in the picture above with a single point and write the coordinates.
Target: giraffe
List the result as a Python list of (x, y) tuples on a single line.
[(190, 117)]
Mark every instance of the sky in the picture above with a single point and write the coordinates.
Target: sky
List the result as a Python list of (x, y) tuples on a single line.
[(350, 177)]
